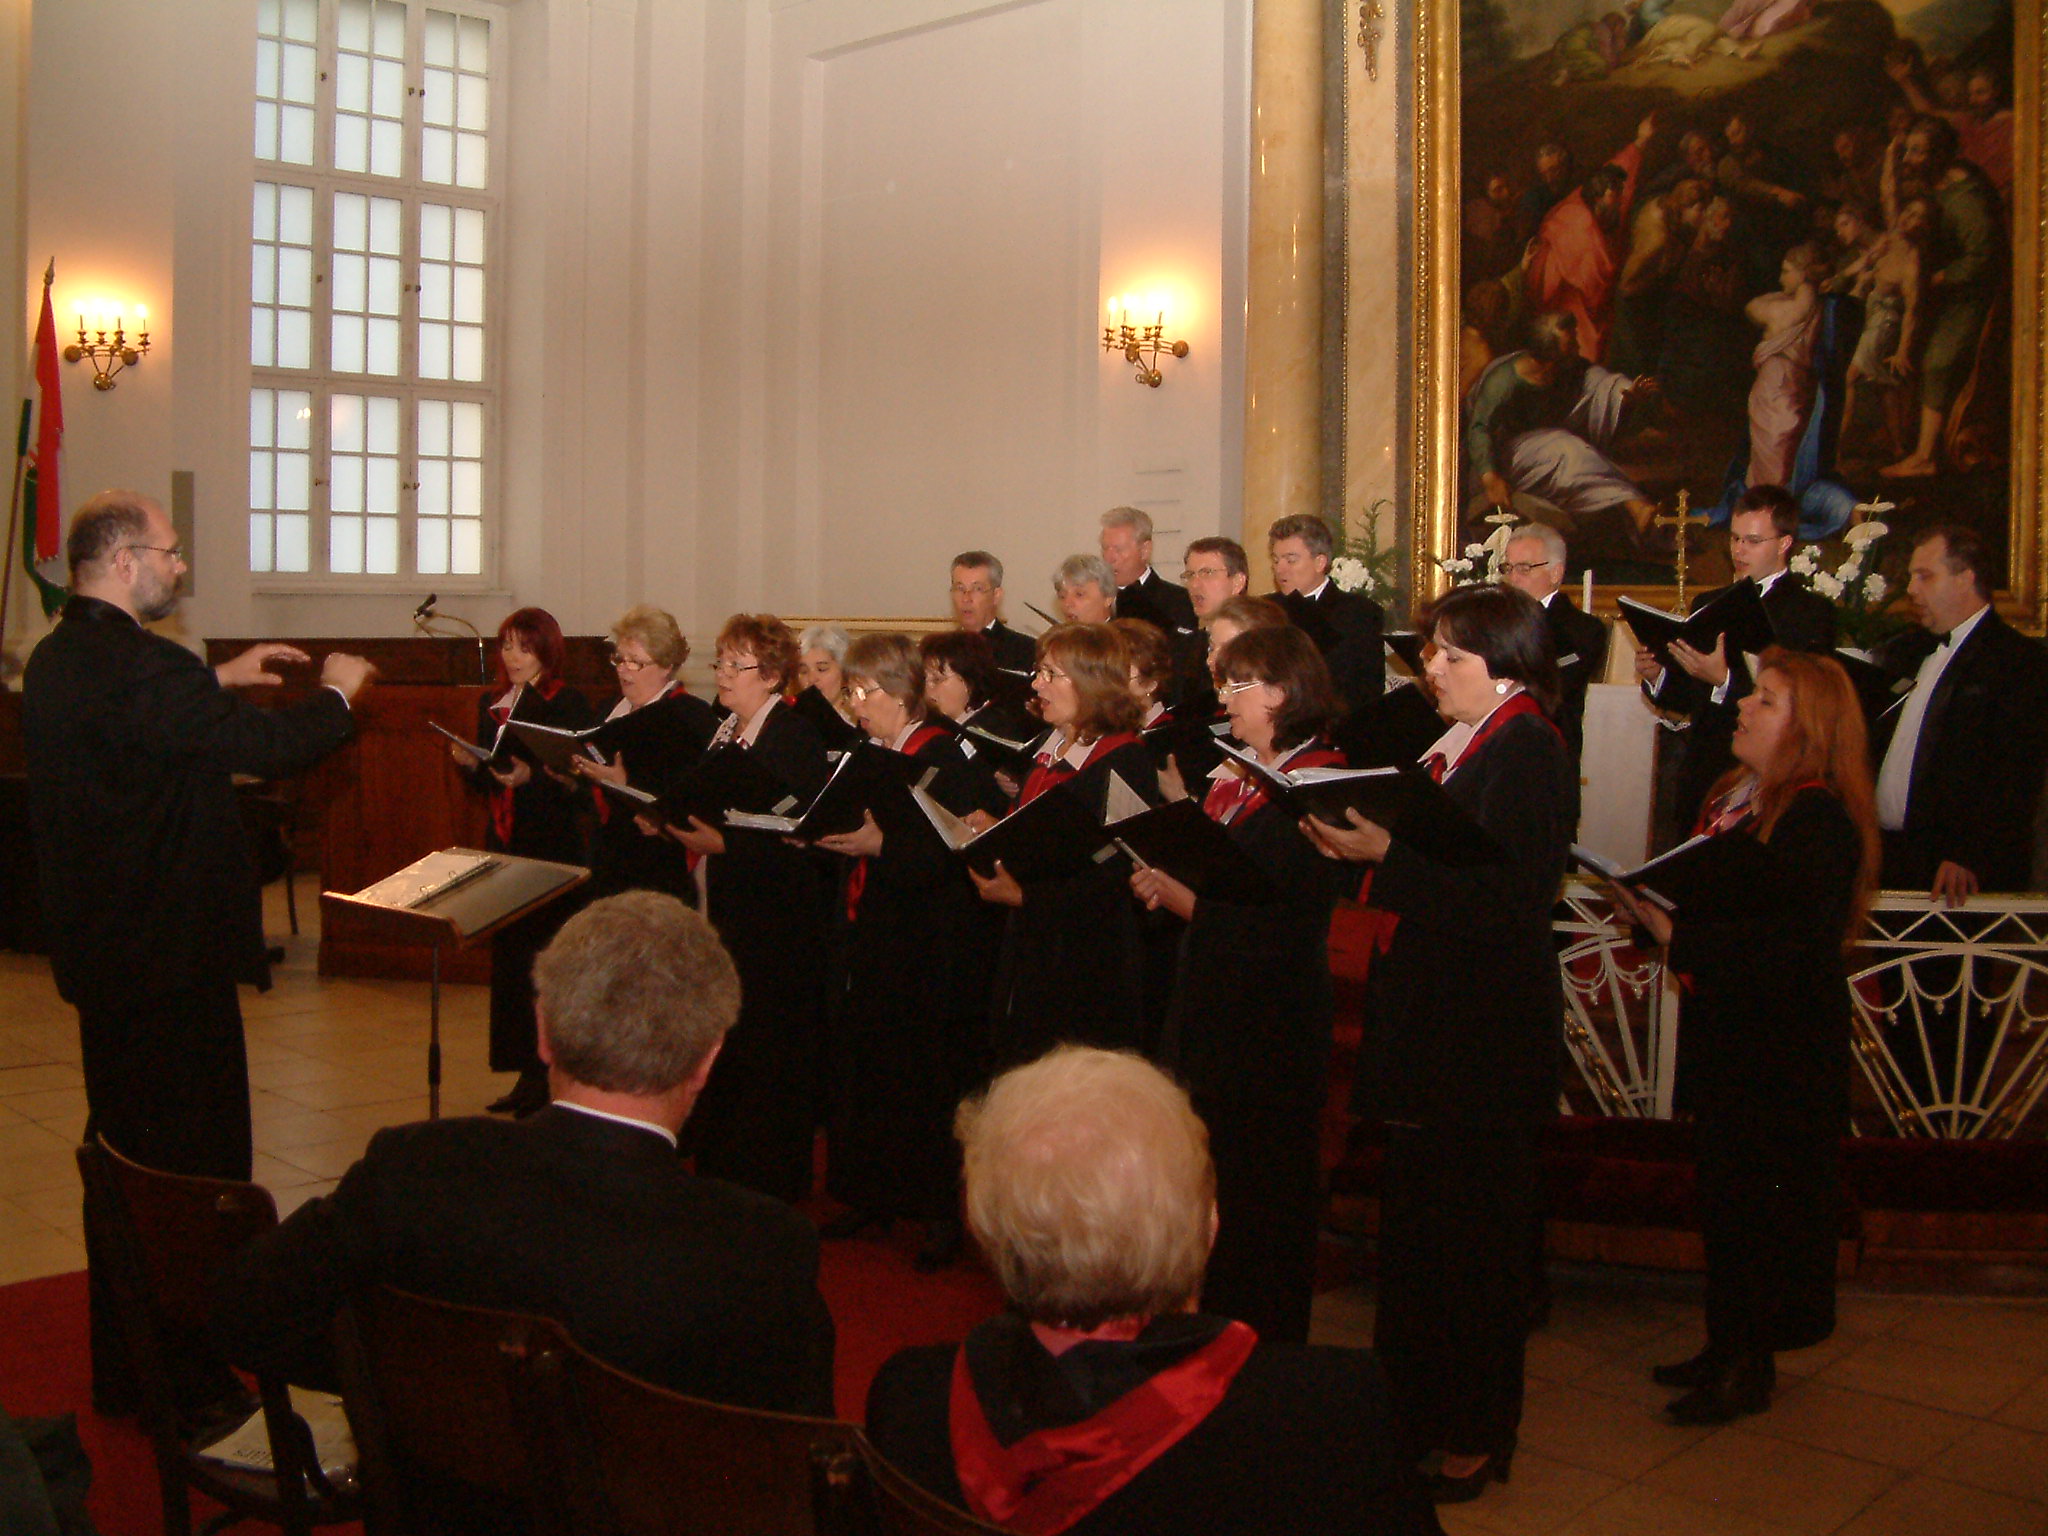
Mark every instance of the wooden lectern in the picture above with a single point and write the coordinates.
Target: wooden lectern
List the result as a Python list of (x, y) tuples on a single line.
[(452, 899)]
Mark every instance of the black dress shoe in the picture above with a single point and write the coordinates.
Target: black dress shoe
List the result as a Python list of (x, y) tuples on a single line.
[(1687, 1374), (852, 1224), (1743, 1386), (943, 1243), (1445, 1489)]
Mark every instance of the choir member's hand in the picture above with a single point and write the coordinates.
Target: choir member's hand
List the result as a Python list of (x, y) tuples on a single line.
[(1953, 884), (1362, 842), (566, 780), (252, 668), (981, 821), (1171, 784), (864, 844), (650, 825), (1158, 889), (1008, 784), (460, 757), (1001, 887), (1710, 667), (613, 772), (1641, 911), (698, 837), (519, 773), (350, 675), (1648, 668)]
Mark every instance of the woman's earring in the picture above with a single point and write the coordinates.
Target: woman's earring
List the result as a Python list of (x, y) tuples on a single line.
[(1500, 687)]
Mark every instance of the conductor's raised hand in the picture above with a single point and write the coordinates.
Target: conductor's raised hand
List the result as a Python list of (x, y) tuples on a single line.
[(350, 675), (1362, 842), (251, 669)]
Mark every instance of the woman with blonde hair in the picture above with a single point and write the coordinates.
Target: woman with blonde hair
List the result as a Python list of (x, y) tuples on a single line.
[(1072, 964), (1764, 1027)]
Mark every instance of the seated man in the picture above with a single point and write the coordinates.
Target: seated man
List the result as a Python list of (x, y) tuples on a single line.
[(582, 1212), (1090, 1190)]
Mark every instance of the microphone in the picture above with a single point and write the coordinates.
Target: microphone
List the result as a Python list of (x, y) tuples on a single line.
[(427, 607)]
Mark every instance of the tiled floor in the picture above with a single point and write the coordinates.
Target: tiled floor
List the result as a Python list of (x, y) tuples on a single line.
[(1923, 1416)]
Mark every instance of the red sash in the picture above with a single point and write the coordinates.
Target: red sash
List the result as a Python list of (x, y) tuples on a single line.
[(857, 877), (501, 794), (1048, 1480), (1051, 770), (1244, 793), (1383, 923)]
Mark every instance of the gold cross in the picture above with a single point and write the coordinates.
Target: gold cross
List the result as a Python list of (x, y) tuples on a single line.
[(1679, 521)]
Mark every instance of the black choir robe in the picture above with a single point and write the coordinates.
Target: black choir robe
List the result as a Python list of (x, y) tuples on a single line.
[(658, 741)]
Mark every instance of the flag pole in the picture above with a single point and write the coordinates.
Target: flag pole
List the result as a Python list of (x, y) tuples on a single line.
[(14, 491)]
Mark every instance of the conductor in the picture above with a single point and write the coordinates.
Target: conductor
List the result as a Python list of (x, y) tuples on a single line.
[(146, 874)]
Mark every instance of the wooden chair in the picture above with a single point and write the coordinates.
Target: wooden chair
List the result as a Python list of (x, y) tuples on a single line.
[(453, 1412), (649, 1462), (164, 1239), (898, 1507)]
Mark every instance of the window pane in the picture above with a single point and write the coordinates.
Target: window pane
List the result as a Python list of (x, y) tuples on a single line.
[(468, 363), (294, 339), (295, 215), (301, 74), (345, 545), (352, 83), (266, 17), (261, 472), (262, 420), (348, 344), (262, 338), (384, 296), (294, 481), (469, 236), (263, 212), (436, 232), (266, 131), (440, 38), (473, 104), (295, 277), (352, 25), (433, 495), (434, 296), (469, 430), (384, 344), (390, 29), (469, 295), (295, 139), (294, 418), (472, 160), (385, 225), (387, 149), (294, 543), (351, 221), (435, 352), (476, 44), (383, 425), (345, 424), (387, 88), (437, 156), (380, 491), (269, 67), (351, 283), (433, 538), (434, 427), (351, 143), (345, 490), (301, 20), (261, 537), (468, 556), (437, 98), (382, 556), (466, 489), (263, 274)]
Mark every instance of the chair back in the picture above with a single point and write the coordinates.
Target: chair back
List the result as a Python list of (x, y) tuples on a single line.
[(651, 1462), (160, 1241), (900, 1508), (451, 1407)]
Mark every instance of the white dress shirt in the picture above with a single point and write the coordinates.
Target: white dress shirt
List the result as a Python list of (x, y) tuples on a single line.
[(1895, 777)]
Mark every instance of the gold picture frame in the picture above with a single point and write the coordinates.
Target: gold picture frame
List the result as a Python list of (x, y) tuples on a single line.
[(1433, 431)]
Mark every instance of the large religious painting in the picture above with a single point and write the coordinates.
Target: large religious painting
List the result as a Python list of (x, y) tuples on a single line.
[(1683, 247)]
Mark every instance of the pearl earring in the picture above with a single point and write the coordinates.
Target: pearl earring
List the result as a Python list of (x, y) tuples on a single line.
[(1500, 687)]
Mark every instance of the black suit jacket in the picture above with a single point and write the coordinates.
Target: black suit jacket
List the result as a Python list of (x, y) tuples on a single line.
[(1978, 766), (1801, 620), (1302, 1441), (146, 875), (1157, 601), (1346, 627), (1014, 652), (1581, 644), (687, 1282)]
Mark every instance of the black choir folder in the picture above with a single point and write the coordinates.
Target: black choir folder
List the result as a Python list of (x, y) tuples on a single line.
[(1405, 800), (1049, 838), (493, 756), (1709, 872), (1180, 839), (554, 747), (726, 780), (862, 778), (1737, 613)]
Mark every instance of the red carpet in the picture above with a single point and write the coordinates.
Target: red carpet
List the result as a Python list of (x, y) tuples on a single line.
[(878, 1301)]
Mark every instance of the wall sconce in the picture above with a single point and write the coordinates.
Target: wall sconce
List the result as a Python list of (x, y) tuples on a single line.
[(109, 354), (1140, 344)]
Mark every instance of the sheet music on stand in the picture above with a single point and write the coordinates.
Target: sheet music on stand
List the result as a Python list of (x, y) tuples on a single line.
[(453, 898)]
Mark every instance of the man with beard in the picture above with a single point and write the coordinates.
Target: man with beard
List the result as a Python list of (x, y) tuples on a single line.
[(1576, 256), (146, 875), (1540, 421), (1962, 276)]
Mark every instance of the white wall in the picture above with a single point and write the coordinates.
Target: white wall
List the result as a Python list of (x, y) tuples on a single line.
[(798, 296)]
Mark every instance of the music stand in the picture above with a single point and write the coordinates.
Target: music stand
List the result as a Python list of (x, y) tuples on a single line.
[(458, 897)]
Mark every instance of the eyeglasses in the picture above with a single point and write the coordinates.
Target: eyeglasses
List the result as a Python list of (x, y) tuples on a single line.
[(175, 551), (860, 693), (1751, 540), (1227, 691), (630, 663), (725, 667), (1049, 674), (1206, 573), (1525, 567)]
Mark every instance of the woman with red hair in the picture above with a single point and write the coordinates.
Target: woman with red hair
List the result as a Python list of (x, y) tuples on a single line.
[(530, 815), (1764, 1031)]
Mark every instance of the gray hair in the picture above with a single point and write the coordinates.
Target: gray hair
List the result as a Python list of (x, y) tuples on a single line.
[(1089, 1187), (892, 663), (829, 638), (1313, 532), (1554, 551), (981, 560), (634, 992), (100, 527), (1137, 521), (1079, 570)]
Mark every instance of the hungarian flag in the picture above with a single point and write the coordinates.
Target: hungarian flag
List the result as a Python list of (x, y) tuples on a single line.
[(41, 497)]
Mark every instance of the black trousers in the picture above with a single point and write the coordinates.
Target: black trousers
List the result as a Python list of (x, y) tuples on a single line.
[(1268, 1198), (1769, 1191), (1458, 1210), (167, 1086)]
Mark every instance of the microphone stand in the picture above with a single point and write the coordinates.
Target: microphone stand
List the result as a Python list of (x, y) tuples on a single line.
[(425, 622)]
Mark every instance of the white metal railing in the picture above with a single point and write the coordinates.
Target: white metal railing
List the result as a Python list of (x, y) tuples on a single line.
[(1950, 1013)]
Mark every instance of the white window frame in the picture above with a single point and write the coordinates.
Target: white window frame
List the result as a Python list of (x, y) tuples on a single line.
[(322, 382)]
